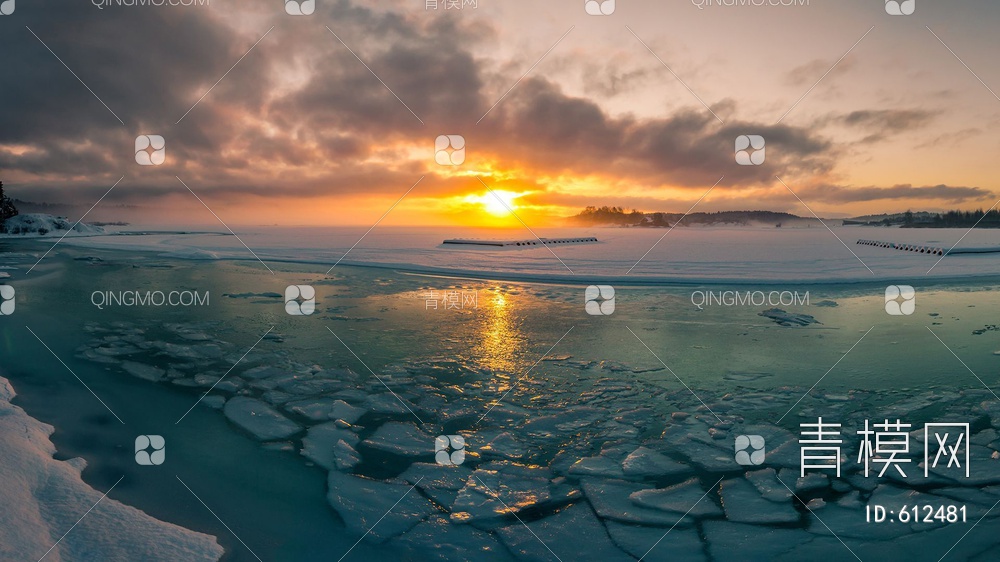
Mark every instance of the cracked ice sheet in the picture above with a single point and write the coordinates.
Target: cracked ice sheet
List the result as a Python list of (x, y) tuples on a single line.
[(572, 534), (259, 418), (517, 490), (439, 540), (361, 503), (738, 541), (656, 545), (611, 500), (743, 503), (440, 483), (401, 438)]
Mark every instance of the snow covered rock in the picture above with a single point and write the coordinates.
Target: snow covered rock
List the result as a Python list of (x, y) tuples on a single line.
[(38, 224), (43, 497)]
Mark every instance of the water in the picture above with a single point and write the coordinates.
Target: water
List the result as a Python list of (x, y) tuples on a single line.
[(656, 374)]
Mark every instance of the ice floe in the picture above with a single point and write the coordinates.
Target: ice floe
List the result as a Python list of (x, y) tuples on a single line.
[(362, 503), (321, 445), (624, 460), (657, 544), (572, 534), (401, 438), (685, 498), (744, 504), (647, 463), (611, 499), (260, 419)]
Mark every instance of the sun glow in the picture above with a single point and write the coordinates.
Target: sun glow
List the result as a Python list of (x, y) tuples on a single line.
[(497, 202)]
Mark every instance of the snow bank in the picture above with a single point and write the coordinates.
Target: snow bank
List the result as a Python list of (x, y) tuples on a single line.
[(43, 498), (45, 225)]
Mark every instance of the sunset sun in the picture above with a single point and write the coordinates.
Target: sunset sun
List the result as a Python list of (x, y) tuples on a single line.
[(497, 202)]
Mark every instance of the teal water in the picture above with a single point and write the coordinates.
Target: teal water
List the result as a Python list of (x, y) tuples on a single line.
[(464, 360)]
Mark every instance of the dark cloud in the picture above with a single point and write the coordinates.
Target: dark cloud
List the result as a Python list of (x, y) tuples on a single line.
[(543, 129), (880, 124), (301, 116), (946, 193)]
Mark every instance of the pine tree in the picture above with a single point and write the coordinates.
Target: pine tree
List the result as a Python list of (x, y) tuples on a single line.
[(7, 208)]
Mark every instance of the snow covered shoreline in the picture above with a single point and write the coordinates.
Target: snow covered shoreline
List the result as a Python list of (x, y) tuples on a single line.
[(38, 225), (43, 498)]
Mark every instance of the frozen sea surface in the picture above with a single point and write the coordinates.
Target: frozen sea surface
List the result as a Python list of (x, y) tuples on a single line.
[(598, 452), (688, 255)]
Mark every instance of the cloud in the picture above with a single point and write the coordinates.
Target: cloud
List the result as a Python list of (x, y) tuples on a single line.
[(543, 130), (952, 138), (945, 193), (301, 116), (808, 73), (882, 123)]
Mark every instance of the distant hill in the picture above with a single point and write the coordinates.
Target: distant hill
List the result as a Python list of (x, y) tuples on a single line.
[(924, 219), (618, 216)]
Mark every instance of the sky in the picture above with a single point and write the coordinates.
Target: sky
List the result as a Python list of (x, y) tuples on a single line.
[(331, 118)]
